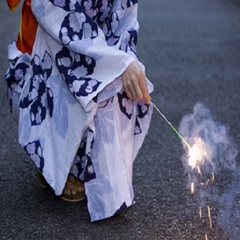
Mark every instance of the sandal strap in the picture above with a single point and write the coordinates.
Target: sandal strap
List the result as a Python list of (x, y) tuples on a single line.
[(75, 183)]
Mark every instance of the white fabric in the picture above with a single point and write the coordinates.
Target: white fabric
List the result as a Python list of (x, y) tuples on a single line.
[(68, 98)]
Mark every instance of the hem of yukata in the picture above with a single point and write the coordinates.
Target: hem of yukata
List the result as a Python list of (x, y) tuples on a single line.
[(129, 202), (109, 214)]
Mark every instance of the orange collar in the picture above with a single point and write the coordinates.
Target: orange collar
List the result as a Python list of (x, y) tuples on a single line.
[(28, 26), (12, 4)]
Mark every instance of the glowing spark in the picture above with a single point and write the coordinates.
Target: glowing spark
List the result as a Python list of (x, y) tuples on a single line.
[(207, 182), (197, 154), (194, 154), (199, 171), (192, 187), (170, 124), (206, 236), (200, 212), (212, 178), (209, 216)]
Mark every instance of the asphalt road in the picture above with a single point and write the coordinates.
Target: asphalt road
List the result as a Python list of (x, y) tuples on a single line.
[(191, 50)]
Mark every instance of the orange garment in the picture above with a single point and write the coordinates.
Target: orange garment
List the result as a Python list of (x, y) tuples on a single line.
[(28, 26)]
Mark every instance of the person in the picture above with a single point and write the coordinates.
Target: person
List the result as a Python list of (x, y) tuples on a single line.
[(81, 98)]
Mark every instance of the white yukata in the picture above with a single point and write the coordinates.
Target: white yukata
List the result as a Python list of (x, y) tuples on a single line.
[(67, 96)]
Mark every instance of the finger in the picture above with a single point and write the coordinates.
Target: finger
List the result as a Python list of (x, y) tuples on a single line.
[(129, 94), (132, 88), (147, 99), (144, 89), (127, 90), (137, 92)]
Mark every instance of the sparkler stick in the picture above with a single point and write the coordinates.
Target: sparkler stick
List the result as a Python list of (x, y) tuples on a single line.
[(170, 124), (206, 236)]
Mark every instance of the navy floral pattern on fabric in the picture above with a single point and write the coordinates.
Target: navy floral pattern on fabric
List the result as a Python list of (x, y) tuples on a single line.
[(35, 151), (15, 76), (65, 4), (75, 67), (131, 42), (39, 97), (100, 9), (112, 37), (77, 24), (127, 109), (83, 159), (16, 73), (143, 110), (128, 3)]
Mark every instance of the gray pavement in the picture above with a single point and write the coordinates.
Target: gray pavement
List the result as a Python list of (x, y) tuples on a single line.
[(191, 50)]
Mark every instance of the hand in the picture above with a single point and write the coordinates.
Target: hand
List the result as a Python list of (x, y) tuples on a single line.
[(134, 83)]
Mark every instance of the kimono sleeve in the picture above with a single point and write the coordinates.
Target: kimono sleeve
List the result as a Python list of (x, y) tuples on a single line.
[(79, 46), (68, 24)]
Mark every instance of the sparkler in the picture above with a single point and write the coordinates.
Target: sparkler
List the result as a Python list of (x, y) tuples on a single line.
[(197, 154), (172, 127)]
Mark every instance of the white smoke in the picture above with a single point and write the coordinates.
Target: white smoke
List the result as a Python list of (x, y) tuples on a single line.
[(218, 147), (216, 154), (229, 211)]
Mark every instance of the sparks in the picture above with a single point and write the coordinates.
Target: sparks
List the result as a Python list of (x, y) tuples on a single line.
[(194, 154), (197, 154), (200, 174), (210, 217), (199, 171), (212, 178), (192, 188), (200, 212), (207, 182)]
